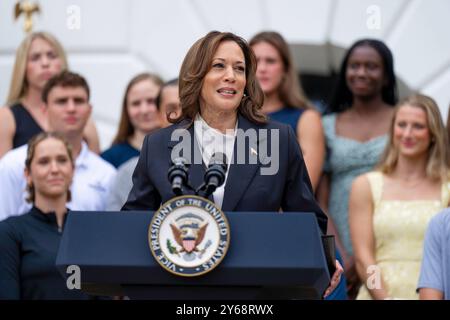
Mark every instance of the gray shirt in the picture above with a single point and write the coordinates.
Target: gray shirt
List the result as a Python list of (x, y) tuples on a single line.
[(435, 270), (122, 185)]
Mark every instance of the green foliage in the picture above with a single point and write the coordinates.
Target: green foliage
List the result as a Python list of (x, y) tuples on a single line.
[(171, 248)]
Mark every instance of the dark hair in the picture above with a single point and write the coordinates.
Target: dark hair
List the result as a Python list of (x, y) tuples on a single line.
[(32, 144), (170, 83), (126, 129), (197, 64), (290, 90), (343, 98), (65, 79)]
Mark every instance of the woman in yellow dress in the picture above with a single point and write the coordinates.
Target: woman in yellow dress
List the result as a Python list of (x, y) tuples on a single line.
[(390, 207)]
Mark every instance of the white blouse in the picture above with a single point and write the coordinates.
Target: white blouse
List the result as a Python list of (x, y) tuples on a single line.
[(210, 141)]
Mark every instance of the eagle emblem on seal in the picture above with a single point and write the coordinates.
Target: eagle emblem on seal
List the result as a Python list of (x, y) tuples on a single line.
[(189, 232)]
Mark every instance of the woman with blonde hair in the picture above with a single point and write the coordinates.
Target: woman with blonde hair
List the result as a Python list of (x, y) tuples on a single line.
[(39, 57), (390, 207), (285, 100)]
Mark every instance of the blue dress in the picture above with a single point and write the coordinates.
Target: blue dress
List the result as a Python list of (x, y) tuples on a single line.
[(120, 153), (287, 115), (346, 159)]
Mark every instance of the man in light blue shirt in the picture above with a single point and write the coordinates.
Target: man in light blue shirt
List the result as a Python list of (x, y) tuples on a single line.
[(434, 281), (66, 98)]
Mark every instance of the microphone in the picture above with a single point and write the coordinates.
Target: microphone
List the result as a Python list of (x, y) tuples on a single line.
[(215, 174), (178, 175)]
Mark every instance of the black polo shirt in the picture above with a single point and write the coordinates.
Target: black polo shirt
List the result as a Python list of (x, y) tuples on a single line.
[(28, 248)]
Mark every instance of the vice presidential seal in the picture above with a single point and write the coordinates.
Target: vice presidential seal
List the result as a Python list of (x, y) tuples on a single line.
[(189, 236)]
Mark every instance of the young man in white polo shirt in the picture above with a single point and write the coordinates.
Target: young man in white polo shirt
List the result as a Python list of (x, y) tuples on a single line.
[(66, 98)]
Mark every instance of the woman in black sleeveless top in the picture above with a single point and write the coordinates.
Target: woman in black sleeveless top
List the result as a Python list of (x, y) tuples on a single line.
[(28, 128), (38, 58)]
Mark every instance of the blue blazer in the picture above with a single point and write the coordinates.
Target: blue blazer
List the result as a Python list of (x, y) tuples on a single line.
[(246, 188)]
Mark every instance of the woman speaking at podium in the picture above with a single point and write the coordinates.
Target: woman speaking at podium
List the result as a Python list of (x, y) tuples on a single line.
[(221, 104)]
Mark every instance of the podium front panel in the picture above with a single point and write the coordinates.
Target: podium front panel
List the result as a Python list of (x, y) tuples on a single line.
[(267, 250)]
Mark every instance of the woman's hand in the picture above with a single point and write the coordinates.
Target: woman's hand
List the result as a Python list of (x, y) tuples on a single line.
[(352, 278), (335, 279)]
